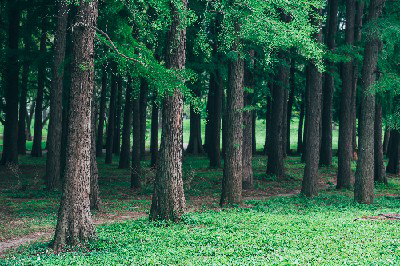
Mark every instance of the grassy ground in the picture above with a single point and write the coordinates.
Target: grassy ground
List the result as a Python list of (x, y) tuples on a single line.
[(274, 225)]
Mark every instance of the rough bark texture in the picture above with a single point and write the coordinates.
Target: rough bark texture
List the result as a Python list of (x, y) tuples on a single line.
[(111, 116), (144, 90), (154, 134), (10, 147), (53, 171), (345, 148), (326, 138), (37, 135), (100, 128), (393, 166), (118, 111), (378, 146), (300, 127), (310, 179), (168, 202), (364, 185), (136, 169), (124, 157), (94, 197), (74, 223)]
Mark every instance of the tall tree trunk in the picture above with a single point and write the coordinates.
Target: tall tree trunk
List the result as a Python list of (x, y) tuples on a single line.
[(53, 171), (284, 117), (310, 179), (111, 115), (223, 124), (253, 133), (100, 128), (210, 115), (326, 138), (95, 201), (168, 201), (233, 171), (144, 90), (300, 127), (124, 157), (74, 223), (37, 135), (136, 169), (195, 145), (345, 149), (268, 119), (154, 134), (10, 146), (306, 116), (117, 126), (393, 166), (290, 103), (386, 140), (378, 146), (215, 139), (364, 185)]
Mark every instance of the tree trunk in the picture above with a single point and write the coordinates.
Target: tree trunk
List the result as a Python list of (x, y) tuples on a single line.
[(378, 147), (306, 116), (37, 135), (29, 117), (223, 124), (95, 201), (136, 169), (300, 128), (364, 186), (10, 146), (284, 117), (393, 166), (326, 138), (74, 223), (124, 157), (215, 139), (253, 133), (268, 119), (118, 111), (210, 115), (345, 149), (111, 116), (386, 140), (195, 145), (53, 171), (100, 129), (168, 202), (310, 179), (290, 103), (144, 90), (154, 134)]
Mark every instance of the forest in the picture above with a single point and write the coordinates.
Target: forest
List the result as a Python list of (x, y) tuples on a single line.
[(201, 132)]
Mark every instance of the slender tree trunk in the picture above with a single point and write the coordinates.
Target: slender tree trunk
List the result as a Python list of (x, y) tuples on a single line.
[(223, 124), (124, 157), (284, 118), (386, 140), (22, 102), (154, 134), (215, 140), (364, 185), (210, 115), (378, 147), (74, 223), (95, 201), (118, 111), (53, 171), (268, 120), (253, 133), (111, 116), (10, 146), (345, 149), (326, 138), (168, 202), (100, 128), (310, 179), (37, 135), (393, 166), (144, 90), (306, 117), (195, 143), (290, 103), (300, 128), (136, 169)]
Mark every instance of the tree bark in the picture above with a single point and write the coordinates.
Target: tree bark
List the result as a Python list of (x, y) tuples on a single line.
[(124, 157), (53, 171), (95, 201), (364, 185), (100, 128), (378, 146), (393, 166), (345, 149), (215, 139), (74, 223), (154, 134), (144, 90), (326, 138), (37, 135), (284, 114), (111, 116), (10, 146), (136, 169), (168, 202), (310, 179), (118, 111), (306, 116)]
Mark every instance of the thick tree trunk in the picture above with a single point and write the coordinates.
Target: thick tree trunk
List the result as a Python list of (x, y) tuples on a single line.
[(345, 148), (37, 135), (386, 140), (95, 201), (144, 90), (124, 157), (290, 103), (300, 127), (10, 146), (233, 171), (74, 223), (154, 134), (393, 166), (100, 128), (326, 138), (118, 111), (378, 147), (310, 179), (136, 169), (53, 171), (364, 185), (168, 202), (111, 116)]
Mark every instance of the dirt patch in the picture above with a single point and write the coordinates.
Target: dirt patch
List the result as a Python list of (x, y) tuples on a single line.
[(382, 217)]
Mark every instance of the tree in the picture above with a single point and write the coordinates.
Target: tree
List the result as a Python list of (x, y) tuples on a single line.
[(154, 134), (74, 223), (195, 143), (136, 169), (379, 174), (53, 173), (144, 90), (168, 202), (111, 116), (117, 126), (126, 128), (364, 185), (99, 143), (393, 166)]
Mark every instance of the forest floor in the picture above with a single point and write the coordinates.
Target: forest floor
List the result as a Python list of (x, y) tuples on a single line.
[(28, 212)]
